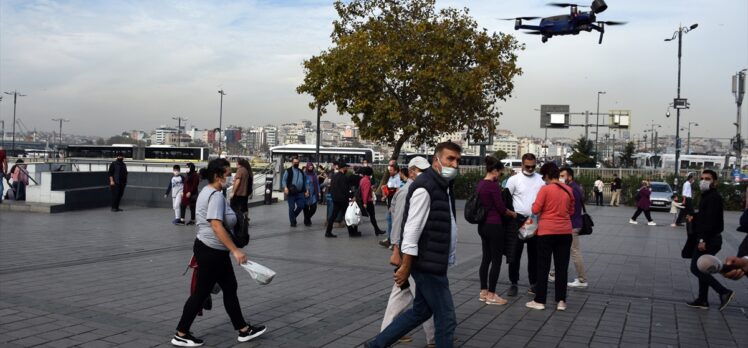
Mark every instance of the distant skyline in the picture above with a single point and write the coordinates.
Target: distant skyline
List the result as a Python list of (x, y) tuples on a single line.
[(116, 66)]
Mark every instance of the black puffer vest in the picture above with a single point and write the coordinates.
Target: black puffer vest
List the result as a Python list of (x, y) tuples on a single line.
[(433, 246)]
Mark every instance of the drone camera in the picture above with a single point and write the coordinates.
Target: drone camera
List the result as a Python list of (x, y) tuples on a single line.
[(598, 6)]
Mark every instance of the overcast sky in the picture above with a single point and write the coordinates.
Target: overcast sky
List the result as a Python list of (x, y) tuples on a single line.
[(110, 66)]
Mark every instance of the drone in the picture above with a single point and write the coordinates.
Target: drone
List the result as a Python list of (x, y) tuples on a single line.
[(573, 23)]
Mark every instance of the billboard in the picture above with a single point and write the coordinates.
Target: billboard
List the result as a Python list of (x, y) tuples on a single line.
[(619, 119), (554, 116)]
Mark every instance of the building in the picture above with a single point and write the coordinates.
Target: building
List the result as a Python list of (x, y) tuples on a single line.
[(161, 135)]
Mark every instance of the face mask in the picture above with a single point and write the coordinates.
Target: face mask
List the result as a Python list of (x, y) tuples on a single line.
[(705, 185), (120, 159), (562, 180), (225, 183), (296, 165), (448, 173), (176, 173)]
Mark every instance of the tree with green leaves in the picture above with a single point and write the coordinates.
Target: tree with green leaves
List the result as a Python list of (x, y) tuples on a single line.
[(500, 155), (627, 158), (584, 153), (406, 71)]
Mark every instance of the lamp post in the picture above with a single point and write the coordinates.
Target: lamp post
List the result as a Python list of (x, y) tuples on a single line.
[(179, 120), (597, 121), (738, 90), (15, 95), (688, 141), (220, 122), (61, 120), (319, 116), (678, 103)]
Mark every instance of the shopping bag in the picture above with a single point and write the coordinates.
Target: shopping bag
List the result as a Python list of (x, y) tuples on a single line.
[(528, 229), (261, 274), (353, 214)]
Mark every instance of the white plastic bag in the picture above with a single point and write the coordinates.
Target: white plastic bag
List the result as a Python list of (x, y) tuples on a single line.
[(528, 229), (258, 272), (353, 214)]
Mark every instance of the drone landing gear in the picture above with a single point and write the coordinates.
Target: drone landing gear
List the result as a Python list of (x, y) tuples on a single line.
[(544, 39)]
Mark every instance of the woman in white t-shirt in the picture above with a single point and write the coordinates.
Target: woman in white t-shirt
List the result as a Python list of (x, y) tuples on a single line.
[(212, 248)]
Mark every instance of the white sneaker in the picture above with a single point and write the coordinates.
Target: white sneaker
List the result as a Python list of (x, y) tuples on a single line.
[(652, 223), (535, 305), (577, 284), (633, 222), (561, 306)]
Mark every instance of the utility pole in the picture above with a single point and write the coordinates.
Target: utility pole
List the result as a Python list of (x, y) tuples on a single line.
[(179, 120), (738, 90), (15, 95), (319, 116), (61, 120), (679, 103), (597, 121), (586, 125), (220, 122)]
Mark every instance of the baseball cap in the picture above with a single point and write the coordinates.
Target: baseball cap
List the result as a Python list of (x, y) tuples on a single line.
[(419, 162)]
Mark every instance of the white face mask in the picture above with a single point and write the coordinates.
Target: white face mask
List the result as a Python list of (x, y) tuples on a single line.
[(448, 173), (176, 173), (705, 185), (562, 180)]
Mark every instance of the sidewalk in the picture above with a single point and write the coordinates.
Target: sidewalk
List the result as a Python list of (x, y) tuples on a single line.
[(100, 279)]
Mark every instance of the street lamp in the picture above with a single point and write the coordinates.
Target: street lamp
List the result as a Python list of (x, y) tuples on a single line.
[(61, 120), (179, 120), (15, 95), (220, 122), (688, 142), (679, 103), (738, 90), (597, 120)]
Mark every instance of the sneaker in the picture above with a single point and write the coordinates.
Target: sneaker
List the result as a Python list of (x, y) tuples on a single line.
[(482, 296), (330, 235), (494, 299), (652, 223), (577, 284), (175, 221), (192, 222), (512, 290), (354, 234), (186, 341), (379, 233), (673, 225), (293, 224), (633, 222), (535, 305), (698, 304), (725, 299), (253, 332), (405, 339), (561, 306)]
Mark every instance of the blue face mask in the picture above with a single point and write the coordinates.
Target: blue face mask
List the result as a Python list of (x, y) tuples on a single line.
[(448, 173)]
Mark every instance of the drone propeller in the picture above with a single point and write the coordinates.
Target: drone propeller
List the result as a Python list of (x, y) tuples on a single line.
[(611, 23), (563, 4), (522, 18)]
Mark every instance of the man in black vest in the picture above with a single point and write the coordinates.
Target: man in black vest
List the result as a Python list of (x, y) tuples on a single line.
[(428, 245), (117, 180), (340, 187)]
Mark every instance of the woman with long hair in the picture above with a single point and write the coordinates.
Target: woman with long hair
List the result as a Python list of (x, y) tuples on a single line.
[(189, 194), (213, 245)]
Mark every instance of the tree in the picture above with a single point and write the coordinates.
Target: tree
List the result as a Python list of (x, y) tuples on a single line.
[(627, 158), (500, 155), (405, 71), (584, 154)]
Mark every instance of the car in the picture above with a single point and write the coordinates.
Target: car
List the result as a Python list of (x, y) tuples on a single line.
[(662, 195)]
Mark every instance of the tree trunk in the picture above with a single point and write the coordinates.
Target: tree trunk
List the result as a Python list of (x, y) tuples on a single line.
[(398, 145)]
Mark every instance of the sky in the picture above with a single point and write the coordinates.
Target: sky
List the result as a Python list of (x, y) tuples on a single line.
[(110, 66)]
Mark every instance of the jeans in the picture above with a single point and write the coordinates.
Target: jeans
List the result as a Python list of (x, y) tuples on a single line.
[(557, 246), (707, 281), (339, 208), (639, 211), (388, 216), (214, 266), (492, 241), (598, 198), (328, 198), (296, 205), (432, 298)]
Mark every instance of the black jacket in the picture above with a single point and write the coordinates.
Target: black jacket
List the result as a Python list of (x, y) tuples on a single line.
[(340, 187), (118, 172), (434, 244), (709, 222), (743, 248)]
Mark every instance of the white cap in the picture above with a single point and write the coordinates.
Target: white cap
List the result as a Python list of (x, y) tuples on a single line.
[(419, 162)]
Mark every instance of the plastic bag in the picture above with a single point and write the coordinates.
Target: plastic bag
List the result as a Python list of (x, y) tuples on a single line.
[(261, 274), (528, 229), (353, 214)]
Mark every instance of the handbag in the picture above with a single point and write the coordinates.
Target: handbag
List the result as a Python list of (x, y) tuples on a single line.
[(353, 214), (587, 222)]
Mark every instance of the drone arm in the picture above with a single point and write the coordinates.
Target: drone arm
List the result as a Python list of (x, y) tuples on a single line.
[(601, 29)]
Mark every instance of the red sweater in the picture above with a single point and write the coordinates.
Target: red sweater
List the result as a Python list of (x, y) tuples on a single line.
[(366, 190), (555, 208)]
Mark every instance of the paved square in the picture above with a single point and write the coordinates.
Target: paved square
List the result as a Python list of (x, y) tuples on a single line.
[(101, 279)]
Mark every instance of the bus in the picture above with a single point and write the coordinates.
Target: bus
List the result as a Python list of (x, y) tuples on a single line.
[(307, 153), (128, 151), (173, 153), (667, 161), (465, 160), (163, 153)]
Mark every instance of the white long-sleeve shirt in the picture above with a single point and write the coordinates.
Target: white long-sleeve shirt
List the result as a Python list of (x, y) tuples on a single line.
[(418, 213), (687, 189)]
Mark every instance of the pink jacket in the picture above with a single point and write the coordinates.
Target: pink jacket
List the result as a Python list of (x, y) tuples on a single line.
[(366, 190)]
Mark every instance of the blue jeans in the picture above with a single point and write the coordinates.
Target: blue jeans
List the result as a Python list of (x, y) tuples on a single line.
[(389, 222), (432, 298), (296, 204), (328, 198), (2, 188)]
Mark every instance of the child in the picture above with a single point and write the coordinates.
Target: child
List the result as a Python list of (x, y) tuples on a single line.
[(176, 185), (675, 208)]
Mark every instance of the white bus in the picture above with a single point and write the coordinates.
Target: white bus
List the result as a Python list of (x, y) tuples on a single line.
[(307, 153)]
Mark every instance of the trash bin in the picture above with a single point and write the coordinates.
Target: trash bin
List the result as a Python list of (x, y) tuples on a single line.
[(268, 189)]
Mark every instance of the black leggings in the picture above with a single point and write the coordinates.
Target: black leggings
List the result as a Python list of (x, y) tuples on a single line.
[(214, 266), (309, 211), (558, 248), (339, 208), (372, 216), (639, 211), (192, 204), (492, 240)]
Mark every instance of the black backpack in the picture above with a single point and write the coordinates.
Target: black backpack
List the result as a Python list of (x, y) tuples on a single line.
[(240, 232), (475, 213)]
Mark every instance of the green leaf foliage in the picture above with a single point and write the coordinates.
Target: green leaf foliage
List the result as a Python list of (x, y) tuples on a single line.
[(406, 71)]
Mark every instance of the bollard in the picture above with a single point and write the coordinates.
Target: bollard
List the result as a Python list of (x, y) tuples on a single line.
[(268, 189)]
